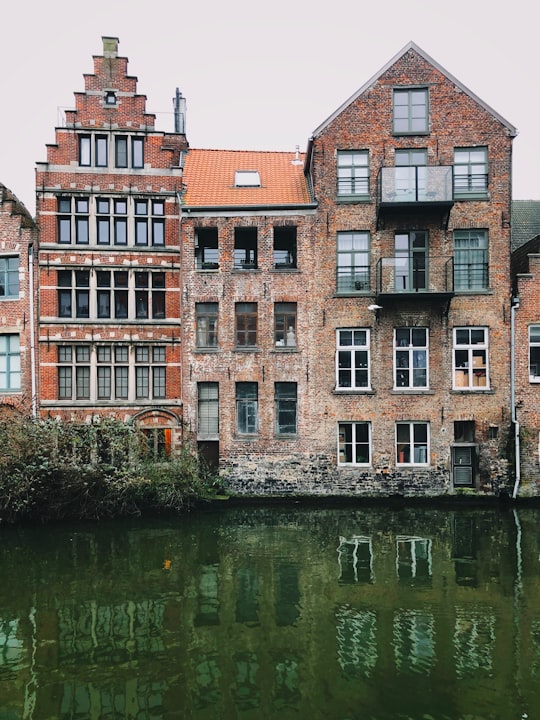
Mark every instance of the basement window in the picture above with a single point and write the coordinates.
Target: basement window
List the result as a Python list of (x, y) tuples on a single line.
[(247, 178)]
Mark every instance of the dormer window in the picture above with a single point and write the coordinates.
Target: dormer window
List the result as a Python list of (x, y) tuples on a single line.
[(247, 178), (110, 98)]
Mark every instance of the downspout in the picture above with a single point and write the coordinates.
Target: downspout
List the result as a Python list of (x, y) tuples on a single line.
[(32, 329), (514, 306)]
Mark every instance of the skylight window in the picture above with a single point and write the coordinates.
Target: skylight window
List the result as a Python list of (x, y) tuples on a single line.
[(247, 178)]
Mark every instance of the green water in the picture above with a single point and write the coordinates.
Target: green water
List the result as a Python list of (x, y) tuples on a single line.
[(344, 613)]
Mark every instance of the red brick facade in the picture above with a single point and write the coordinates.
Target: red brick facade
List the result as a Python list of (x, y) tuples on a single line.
[(331, 323), (107, 207), (526, 406), (17, 306)]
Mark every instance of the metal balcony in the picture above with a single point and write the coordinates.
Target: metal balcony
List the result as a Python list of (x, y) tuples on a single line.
[(413, 188), (415, 277)]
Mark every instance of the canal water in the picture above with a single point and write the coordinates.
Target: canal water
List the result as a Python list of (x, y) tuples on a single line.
[(341, 613)]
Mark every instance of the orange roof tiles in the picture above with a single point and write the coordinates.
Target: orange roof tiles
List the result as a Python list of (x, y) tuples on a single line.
[(209, 178)]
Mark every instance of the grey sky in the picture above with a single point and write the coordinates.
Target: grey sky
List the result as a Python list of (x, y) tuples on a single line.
[(256, 76)]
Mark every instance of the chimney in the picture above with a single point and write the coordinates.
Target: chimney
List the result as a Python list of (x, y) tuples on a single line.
[(179, 103), (110, 47)]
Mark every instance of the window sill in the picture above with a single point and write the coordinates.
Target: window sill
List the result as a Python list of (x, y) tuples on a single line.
[(285, 269), (243, 270), (469, 390), (246, 438), (473, 291), (353, 391), (412, 391), (483, 197), (286, 436), (285, 349), (353, 199), (251, 349), (204, 350)]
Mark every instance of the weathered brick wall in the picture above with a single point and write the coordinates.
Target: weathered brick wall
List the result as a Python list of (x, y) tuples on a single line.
[(456, 120), (527, 393), (17, 235)]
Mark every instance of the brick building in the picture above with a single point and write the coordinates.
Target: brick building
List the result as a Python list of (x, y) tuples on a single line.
[(107, 208), (334, 322), (248, 280), (412, 176), (526, 366), (18, 237)]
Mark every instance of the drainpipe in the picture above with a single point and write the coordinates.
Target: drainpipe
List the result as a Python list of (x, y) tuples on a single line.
[(513, 308), (32, 329)]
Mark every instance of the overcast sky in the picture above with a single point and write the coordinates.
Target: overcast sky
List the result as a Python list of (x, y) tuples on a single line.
[(257, 75)]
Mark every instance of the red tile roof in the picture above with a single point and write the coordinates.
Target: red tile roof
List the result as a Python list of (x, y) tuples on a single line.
[(209, 178)]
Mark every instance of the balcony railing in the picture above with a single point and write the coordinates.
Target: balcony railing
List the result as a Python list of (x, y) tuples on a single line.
[(430, 185), (415, 275), (352, 279)]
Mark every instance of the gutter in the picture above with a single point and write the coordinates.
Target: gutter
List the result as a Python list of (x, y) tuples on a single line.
[(514, 306)]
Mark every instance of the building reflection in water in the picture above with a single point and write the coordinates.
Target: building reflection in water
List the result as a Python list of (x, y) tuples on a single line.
[(276, 613)]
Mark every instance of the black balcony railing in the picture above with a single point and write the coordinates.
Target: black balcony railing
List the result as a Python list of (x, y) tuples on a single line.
[(415, 275)]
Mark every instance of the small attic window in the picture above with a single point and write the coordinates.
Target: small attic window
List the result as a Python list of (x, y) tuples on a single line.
[(247, 178), (110, 98)]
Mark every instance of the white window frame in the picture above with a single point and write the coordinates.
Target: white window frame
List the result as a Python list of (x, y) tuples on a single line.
[(354, 442), (468, 370), (9, 277), (353, 349), (10, 362), (413, 355), (419, 449), (534, 344)]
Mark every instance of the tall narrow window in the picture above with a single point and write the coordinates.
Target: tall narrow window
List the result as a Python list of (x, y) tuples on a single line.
[(141, 222), (285, 324), (246, 324), (82, 293), (411, 357), (103, 282), (411, 175), (245, 248), (471, 269), (410, 111), (104, 372), (353, 173), (207, 325), (10, 363), (285, 247), (247, 417), (352, 359), (159, 370), (101, 151), (65, 372), (354, 443), (9, 277), (120, 294), (121, 151), (353, 262), (64, 220), (470, 358), (121, 372), (81, 221), (411, 261), (208, 409), (137, 152), (158, 223), (206, 249), (120, 222), (85, 150), (286, 408), (103, 221), (82, 372), (412, 443), (534, 353)]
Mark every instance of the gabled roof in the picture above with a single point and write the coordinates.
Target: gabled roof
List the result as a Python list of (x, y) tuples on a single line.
[(209, 177), (525, 221), (412, 46)]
